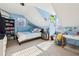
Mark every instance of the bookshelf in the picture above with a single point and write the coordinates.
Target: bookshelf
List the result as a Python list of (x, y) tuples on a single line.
[(9, 27)]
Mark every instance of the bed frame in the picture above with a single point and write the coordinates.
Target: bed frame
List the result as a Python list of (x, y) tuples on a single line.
[(72, 40), (26, 40)]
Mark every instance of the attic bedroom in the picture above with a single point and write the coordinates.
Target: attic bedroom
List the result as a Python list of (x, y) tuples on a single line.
[(39, 29)]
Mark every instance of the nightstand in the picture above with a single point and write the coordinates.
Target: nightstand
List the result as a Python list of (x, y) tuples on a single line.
[(44, 35)]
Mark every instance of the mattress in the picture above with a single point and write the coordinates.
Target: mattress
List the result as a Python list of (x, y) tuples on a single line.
[(72, 39), (22, 36)]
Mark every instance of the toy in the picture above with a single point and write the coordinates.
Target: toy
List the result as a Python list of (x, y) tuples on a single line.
[(60, 40)]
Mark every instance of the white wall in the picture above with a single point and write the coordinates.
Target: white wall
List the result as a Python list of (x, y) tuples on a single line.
[(68, 13)]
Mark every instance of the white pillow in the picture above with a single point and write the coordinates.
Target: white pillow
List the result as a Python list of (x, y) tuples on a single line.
[(36, 30)]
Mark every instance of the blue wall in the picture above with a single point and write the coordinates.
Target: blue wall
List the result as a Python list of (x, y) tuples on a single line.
[(18, 26), (70, 30), (28, 26)]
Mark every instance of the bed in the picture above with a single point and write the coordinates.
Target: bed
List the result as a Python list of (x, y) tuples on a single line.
[(24, 36), (72, 39)]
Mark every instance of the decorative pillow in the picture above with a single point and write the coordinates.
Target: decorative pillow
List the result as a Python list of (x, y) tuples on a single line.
[(36, 30)]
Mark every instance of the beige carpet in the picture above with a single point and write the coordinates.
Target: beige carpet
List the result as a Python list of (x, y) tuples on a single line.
[(45, 45), (41, 48), (34, 50), (14, 47)]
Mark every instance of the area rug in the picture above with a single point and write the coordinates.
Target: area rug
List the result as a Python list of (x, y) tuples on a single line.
[(45, 45), (32, 51)]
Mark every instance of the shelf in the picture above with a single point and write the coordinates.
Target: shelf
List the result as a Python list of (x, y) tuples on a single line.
[(8, 24), (10, 28), (10, 32)]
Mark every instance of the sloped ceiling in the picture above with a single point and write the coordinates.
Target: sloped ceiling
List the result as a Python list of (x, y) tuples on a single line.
[(29, 11), (17, 8)]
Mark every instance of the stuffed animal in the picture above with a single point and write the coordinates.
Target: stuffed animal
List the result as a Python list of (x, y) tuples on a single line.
[(60, 40)]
